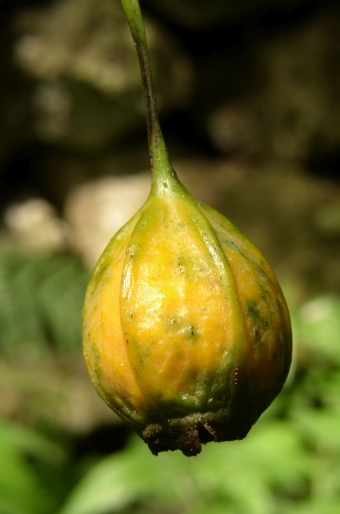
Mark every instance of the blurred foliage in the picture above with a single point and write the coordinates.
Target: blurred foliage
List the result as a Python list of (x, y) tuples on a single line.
[(270, 85), (26, 461), (41, 299), (289, 463)]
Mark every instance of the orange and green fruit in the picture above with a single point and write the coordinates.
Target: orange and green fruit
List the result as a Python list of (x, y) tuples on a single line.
[(186, 332)]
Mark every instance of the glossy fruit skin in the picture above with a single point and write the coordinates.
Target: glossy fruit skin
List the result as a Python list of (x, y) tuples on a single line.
[(186, 332)]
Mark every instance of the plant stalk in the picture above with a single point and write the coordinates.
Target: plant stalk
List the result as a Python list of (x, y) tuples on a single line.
[(163, 175)]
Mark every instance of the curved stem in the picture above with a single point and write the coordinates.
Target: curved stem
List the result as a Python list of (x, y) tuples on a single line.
[(163, 175)]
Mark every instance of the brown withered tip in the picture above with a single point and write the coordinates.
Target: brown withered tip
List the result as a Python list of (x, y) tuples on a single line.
[(188, 434)]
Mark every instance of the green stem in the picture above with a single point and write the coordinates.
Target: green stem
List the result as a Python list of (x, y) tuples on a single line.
[(163, 175)]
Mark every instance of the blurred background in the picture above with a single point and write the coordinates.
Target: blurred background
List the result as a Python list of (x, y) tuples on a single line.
[(249, 98)]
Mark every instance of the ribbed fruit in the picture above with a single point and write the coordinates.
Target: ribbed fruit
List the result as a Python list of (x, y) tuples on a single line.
[(186, 332)]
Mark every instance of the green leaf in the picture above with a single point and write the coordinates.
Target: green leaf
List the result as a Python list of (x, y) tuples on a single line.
[(28, 440), (321, 426), (240, 474), (318, 327), (41, 301), (316, 506), (122, 479), (21, 491)]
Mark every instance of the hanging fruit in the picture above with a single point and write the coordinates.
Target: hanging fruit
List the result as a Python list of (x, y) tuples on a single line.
[(186, 332)]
